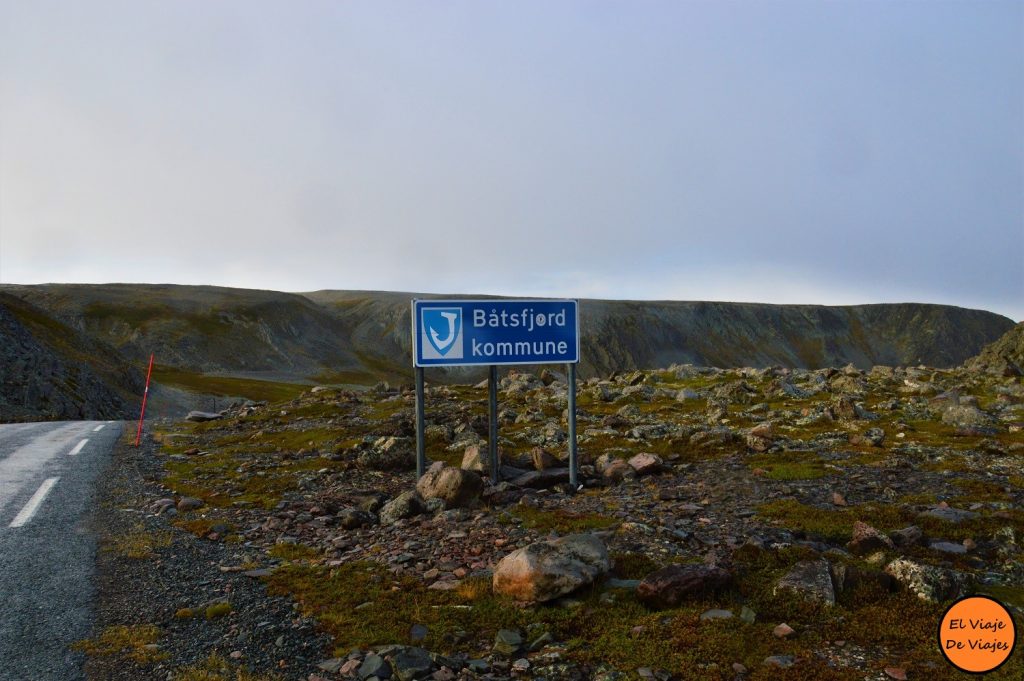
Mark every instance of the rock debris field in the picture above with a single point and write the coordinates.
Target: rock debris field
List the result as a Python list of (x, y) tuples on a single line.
[(731, 524)]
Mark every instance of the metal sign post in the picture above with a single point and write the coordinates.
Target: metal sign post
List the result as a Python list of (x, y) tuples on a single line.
[(573, 468), (492, 333), (421, 449), (492, 418)]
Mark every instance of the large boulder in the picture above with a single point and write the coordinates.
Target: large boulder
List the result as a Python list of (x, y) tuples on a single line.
[(548, 569), (456, 487), (670, 586), (405, 505), (810, 580)]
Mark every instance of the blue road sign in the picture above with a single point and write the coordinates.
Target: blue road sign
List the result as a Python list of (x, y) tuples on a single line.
[(469, 332)]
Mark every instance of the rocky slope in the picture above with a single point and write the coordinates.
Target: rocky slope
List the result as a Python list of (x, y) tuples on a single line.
[(1005, 356), (359, 337), (51, 371)]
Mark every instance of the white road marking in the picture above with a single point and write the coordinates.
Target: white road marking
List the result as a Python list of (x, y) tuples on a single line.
[(78, 447), (99, 428), (33, 504), (25, 464)]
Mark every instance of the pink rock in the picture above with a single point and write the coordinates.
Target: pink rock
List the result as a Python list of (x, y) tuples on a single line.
[(646, 464)]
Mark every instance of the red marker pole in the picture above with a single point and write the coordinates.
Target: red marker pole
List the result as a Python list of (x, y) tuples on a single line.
[(142, 414)]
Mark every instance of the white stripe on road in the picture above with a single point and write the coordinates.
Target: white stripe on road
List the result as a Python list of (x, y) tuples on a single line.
[(78, 447), (26, 464), (98, 428), (33, 504)]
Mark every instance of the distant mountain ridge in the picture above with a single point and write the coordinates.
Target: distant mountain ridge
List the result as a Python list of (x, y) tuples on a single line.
[(360, 336)]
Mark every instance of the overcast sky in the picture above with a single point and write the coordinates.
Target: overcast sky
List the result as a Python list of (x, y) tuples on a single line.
[(842, 152)]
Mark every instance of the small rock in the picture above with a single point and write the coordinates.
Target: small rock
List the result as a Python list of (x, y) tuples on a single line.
[(458, 488), (779, 661), (507, 642), (867, 539), (898, 673), (783, 631), (908, 536), (332, 666), (811, 580), (948, 547), (949, 514), (412, 663), (646, 464), (374, 665), (715, 614), (670, 586), (542, 459), (200, 416), (190, 504), (405, 505)]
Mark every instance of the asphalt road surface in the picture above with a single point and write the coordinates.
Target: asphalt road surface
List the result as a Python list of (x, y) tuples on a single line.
[(47, 551)]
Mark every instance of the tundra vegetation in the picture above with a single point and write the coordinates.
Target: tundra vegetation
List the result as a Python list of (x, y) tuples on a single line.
[(851, 506)]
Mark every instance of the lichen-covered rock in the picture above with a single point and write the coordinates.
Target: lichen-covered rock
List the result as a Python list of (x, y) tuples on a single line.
[(458, 488), (810, 580), (928, 582), (670, 586), (387, 453), (548, 569), (965, 415), (405, 505)]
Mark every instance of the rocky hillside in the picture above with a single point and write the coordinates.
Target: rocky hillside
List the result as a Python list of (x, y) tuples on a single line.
[(1005, 356), (51, 371), (625, 335), (361, 337)]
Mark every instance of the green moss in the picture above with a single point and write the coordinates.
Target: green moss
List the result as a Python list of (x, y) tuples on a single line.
[(227, 386), (618, 631), (216, 668), (836, 525), (133, 642), (288, 551), (1005, 594), (633, 565), (138, 543), (218, 610), (560, 521)]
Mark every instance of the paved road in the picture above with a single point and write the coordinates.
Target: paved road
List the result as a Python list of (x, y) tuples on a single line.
[(47, 551)]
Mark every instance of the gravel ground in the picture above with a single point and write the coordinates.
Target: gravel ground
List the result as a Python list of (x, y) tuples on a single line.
[(261, 633)]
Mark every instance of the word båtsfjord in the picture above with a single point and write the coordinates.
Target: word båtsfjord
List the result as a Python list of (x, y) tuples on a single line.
[(526, 319)]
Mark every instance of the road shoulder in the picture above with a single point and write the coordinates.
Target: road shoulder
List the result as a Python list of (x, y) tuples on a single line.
[(171, 604)]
